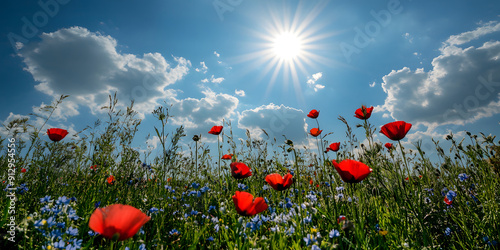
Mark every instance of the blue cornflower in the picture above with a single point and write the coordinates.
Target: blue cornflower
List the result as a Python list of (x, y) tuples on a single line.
[(153, 210), (463, 177), (315, 247), (77, 244), (195, 185), (340, 196), (61, 225), (51, 221), (62, 200), (142, 247), (242, 186), (210, 208), (45, 199), (61, 244), (310, 239), (447, 231), (194, 212), (72, 231), (216, 228), (450, 195), (210, 238), (92, 233), (96, 205), (205, 189), (174, 231), (312, 197), (56, 234), (308, 219), (334, 233), (72, 214), (339, 189)]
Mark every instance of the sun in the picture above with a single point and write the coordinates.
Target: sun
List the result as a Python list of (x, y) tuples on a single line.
[(287, 46)]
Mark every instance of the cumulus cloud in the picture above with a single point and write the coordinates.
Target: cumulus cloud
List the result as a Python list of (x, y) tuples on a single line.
[(239, 92), (276, 121), (490, 27), (87, 66), (203, 69), (199, 115), (463, 85)]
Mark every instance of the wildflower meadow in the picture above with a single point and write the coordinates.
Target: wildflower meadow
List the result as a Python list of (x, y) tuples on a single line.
[(98, 192)]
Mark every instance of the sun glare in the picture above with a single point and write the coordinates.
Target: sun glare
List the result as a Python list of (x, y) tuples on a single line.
[(287, 46)]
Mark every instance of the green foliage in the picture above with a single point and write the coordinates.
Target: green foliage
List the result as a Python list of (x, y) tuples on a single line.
[(403, 194)]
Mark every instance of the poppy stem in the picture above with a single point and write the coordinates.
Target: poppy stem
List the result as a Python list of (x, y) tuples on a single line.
[(219, 159)]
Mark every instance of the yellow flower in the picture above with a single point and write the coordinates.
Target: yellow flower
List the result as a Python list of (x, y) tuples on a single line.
[(314, 230), (49, 247), (382, 232), (44, 222)]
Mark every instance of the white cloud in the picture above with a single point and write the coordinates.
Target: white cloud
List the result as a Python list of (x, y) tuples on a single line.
[(216, 80), (204, 80), (87, 66), (276, 121), (315, 77), (203, 68), (487, 28), (239, 92), (153, 142), (205, 112), (216, 54), (408, 37), (318, 86), (463, 85), (372, 84), (311, 81)]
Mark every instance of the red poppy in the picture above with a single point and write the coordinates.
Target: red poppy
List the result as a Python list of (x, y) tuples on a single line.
[(315, 132), (341, 218), (447, 201), (396, 130), (246, 205), (240, 171), (313, 114), (56, 134), (227, 157), (111, 179), (279, 183), (333, 147), (310, 182), (317, 185), (117, 221), (363, 113), (215, 130), (23, 170), (352, 171), (388, 146)]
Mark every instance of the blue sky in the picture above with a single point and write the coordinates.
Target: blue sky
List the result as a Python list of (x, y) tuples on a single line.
[(433, 64)]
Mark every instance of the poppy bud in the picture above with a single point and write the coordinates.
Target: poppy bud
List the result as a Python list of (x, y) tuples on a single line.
[(196, 138)]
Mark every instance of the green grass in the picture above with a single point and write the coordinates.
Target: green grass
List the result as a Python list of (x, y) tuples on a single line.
[(413, 211)]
